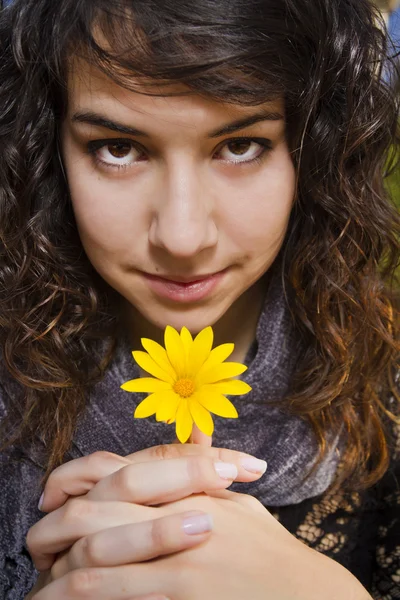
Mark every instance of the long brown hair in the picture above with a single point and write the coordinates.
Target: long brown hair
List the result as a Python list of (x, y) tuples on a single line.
[(342, 248)]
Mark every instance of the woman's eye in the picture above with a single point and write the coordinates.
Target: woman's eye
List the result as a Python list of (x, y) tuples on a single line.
[(117, 153), (124, 153), (245, 149)]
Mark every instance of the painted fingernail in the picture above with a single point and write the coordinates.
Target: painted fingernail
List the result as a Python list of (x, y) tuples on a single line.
[(226, 470), (195, 524), (41, 502), (253, 465)]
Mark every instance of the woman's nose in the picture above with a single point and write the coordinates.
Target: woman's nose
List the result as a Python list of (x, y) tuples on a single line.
[(182, 222)]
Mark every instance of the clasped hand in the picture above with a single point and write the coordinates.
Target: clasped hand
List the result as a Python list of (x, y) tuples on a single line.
[(160, 523)]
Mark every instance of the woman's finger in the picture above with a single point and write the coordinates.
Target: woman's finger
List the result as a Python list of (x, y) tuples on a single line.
[(159, 482), (125, 493), (136, 543), (78, 518), (198, 437), (80, 475), (126, 582)]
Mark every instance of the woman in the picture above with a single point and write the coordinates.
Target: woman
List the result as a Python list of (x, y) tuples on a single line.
[(190, 164)]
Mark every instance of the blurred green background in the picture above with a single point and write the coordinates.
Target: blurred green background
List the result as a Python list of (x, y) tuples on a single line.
[(393, 184), (390, 10)]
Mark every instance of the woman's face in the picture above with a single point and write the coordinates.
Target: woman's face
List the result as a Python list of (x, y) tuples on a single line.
[(174, 211)]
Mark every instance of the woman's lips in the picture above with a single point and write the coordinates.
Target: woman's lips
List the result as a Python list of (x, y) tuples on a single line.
[(183, 291)]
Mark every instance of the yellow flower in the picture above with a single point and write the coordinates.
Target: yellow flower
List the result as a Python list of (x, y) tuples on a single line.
[(190, 380)]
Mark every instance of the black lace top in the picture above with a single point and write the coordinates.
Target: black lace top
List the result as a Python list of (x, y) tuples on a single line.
[(359, 530)]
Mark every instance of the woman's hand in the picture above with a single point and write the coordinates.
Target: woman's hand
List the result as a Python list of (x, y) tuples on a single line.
[(248, 555), (119, 492), (79, 476)]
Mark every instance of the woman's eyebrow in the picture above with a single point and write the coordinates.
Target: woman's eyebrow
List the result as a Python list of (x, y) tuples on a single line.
[(99, 120)]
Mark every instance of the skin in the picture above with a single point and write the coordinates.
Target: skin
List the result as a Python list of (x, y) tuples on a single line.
[(184, 204)]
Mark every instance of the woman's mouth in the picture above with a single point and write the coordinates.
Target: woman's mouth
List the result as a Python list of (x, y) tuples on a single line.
[(189, 290)]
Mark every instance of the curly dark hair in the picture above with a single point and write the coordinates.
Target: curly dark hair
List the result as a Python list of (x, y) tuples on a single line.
[(340, 254)]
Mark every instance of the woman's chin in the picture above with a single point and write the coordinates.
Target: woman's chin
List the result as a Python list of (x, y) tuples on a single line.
[(193, 318)]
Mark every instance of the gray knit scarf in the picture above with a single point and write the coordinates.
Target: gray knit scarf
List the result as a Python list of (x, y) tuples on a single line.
[(286, 442)]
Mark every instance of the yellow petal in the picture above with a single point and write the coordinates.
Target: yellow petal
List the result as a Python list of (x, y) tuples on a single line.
[(147, 407), (184, 422), (234, 387), (167, 408), (145, 361), (145, 384), (175, 350), (186, 338), (201, 417), (159, 355), (217, 404), (219, 372), (187, 343), (218, 355), (201, 349)]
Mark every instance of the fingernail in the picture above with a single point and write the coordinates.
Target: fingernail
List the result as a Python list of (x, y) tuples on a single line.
[(195, 524), (226, 470), (253, 465), (41, 502)]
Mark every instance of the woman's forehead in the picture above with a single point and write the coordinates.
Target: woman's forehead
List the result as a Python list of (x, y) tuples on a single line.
[(91, 90)]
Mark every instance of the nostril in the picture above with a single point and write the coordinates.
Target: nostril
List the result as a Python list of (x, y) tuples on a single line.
[(183, 237)]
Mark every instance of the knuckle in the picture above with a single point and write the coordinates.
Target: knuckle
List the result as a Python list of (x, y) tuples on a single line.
[(83, 582), (55, 475), (96, 459), (31, 540), (77, 509), (125, 481), (249, 501), (36, 537), (57, 571), (159, 535), (165, 452), (87, 552), (201, 471)]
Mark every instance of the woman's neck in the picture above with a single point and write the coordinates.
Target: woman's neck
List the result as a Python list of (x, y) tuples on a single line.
[(238, 324)]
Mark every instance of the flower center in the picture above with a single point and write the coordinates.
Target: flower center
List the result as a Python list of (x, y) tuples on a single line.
[(184, 387)]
